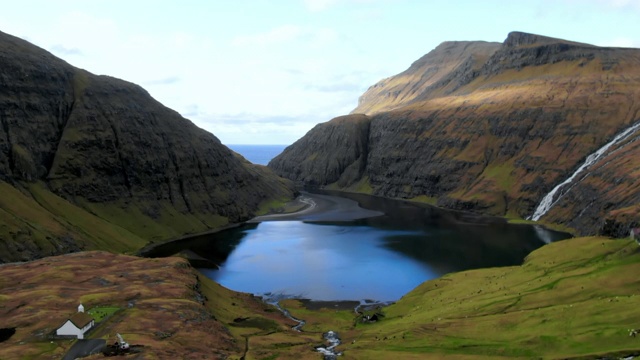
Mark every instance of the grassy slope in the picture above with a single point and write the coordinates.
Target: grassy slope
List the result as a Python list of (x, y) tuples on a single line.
[(262, 333), (37, 218), (37, 215), (572, 298), (158, 302)]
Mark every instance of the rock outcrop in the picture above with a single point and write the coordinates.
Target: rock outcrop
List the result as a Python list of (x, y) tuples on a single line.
[(104, 148), (493, 129)]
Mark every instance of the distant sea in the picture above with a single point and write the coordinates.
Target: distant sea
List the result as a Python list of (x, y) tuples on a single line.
[(258, 154)]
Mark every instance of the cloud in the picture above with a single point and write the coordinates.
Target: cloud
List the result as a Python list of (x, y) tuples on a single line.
[(62, 50), (250, 119), (245, 128), (335, 87), (190, 111), (165, 81)]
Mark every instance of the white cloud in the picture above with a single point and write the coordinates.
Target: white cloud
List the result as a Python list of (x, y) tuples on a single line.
[(246, 128), (64, 51), (165, 81)]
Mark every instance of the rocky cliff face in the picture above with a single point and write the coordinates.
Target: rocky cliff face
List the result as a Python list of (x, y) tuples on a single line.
[(106, 147), (498, 134)]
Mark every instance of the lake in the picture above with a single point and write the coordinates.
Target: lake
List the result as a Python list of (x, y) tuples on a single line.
[(342, 252)]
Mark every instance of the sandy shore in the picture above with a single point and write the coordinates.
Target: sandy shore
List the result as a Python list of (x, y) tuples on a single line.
[(322, 208)]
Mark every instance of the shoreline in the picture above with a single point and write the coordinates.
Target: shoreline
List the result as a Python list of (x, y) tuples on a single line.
[(317, 208), (148, 249), (309, 206), (322, 207)]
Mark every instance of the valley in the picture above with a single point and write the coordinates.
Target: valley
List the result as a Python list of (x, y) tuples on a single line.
[(94, 170)]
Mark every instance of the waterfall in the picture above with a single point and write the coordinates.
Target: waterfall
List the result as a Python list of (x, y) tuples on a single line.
[(548, 201)]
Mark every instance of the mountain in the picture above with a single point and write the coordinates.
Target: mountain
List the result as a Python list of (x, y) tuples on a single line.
[(434, 74), (94, 162), (493, 128)]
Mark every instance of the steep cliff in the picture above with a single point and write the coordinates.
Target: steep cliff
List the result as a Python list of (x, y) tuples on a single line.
[(498, 135), (91, 162)]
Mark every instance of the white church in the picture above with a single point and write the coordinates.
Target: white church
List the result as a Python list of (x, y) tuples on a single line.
[(77, 325)]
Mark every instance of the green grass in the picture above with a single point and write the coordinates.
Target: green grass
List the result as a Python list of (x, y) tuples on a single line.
[(425, 199), (169, 224), (571, 298), (37, 218), (363, 186), (283, 205), (501, 174), (320, 320), (101, 312), (102, 234), (257, 323)]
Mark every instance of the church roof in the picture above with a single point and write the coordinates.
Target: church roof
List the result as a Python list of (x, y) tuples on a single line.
[(80, 320)]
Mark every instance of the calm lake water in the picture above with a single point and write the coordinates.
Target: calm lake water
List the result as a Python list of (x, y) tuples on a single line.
[(379, 258)]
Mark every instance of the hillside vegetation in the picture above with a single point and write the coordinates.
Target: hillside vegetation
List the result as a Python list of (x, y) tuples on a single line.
[(575, 298), (162, 304)]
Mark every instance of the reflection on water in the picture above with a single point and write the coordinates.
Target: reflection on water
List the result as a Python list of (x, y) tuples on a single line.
[(379, 258), (321, 262)]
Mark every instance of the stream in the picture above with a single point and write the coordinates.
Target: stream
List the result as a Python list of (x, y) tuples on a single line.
[(332, 339), (274, 299), (329, 351)]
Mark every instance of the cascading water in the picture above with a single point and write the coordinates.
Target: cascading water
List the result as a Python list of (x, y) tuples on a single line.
[(548, 201)]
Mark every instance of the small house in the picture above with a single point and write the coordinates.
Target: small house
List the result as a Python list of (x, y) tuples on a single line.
[(76, 325)]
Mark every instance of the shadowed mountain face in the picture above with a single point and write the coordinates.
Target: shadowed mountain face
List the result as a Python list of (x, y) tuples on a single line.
[(492, 128), (91, 161)]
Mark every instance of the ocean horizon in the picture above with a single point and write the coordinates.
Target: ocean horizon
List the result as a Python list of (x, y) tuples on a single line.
[(257, 154)]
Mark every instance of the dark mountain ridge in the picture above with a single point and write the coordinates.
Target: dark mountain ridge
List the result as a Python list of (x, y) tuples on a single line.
[(493, 134), (105, 146)]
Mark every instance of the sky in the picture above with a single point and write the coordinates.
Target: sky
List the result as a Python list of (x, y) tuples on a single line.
[(267, 71)]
